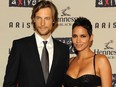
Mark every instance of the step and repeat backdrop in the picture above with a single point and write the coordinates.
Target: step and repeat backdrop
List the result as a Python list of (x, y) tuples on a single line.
[(15, 22)]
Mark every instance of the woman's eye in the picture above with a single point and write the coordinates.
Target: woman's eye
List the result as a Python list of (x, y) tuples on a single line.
[(83, 36)]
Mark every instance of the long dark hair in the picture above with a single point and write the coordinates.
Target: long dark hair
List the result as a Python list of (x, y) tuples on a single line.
[(45, 4)]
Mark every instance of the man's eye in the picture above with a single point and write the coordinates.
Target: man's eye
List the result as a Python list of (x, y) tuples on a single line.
[(37, 17), (47, 18), (74, 36)]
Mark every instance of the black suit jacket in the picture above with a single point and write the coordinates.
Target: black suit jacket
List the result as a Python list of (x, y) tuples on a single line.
[(24, 66)]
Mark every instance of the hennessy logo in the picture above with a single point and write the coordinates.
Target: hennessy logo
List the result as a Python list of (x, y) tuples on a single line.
[(107, 45), (64, 11)]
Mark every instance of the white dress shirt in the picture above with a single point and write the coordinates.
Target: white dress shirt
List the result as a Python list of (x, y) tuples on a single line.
[(49, 46)]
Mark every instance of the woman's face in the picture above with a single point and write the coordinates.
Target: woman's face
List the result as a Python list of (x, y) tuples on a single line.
[(81, 39)]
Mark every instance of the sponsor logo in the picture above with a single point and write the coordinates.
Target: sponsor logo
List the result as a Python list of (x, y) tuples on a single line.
[(67, 41), (65, 18), (108, 50), (105, 3), (104, 25), (22, 3), (114, 80), (107, 45), (97, 25), (18, 25), (64, 13)]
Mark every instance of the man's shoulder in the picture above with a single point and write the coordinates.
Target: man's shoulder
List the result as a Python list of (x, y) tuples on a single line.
[(23, 40)]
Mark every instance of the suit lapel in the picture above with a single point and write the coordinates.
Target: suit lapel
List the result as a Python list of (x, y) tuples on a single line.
[(54, 63), (35, 54), (36, 57)]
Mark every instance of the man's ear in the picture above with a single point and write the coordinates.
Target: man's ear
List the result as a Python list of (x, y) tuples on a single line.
[(33, 19), (53, 23)]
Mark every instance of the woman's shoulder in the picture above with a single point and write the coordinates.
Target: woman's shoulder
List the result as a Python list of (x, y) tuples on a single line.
[(101, 59)]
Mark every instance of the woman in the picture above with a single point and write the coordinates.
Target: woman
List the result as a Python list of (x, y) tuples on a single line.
[(86, 69)]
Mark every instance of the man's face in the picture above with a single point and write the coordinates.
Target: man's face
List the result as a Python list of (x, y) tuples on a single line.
[(44, 22)]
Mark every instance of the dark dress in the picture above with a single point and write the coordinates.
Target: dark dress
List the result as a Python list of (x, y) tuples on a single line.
[(87, 80)]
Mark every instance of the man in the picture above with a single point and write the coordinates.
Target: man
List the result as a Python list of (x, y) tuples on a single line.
[(24, 68)]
